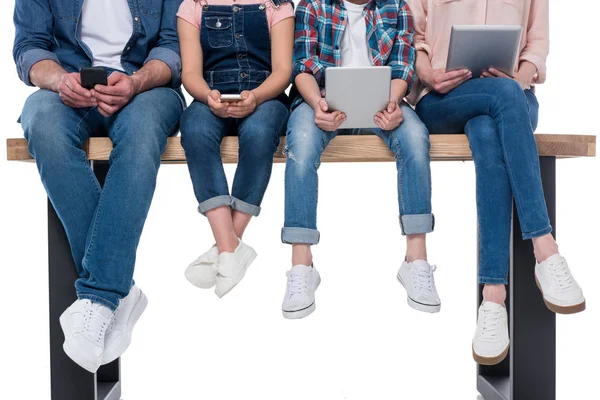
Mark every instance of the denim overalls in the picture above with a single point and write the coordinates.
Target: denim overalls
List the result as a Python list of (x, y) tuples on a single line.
[(236, 46)]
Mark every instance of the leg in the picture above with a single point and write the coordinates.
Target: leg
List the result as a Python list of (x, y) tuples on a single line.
[(201, 136), (55, 134), (139, 134), (259, 136), (410, 144), (305, 144)]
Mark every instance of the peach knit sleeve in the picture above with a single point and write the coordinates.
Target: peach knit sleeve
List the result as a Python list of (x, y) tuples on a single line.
[(419, 12), (537, 40)]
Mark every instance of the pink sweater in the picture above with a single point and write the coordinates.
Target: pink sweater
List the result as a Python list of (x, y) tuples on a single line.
[(433, 20)]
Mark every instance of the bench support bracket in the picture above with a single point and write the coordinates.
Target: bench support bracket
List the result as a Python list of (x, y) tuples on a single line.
[(68, 380), (529, 371)]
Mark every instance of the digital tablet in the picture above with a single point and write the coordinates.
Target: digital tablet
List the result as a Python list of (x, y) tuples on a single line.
[(481, 47), (359, 92)]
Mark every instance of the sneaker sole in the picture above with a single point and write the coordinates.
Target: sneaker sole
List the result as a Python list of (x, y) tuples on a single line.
[(74, 354), (137, 311), (247, 262), (428, 308), (574, 309), (305, 312), (490, 360)]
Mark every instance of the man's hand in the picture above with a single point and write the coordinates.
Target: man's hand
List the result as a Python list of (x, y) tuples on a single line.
[(443, 82), (119, 92), (72, 93), (327, 121), (242, 109), (218, 108), (390, 118), (494, 73)]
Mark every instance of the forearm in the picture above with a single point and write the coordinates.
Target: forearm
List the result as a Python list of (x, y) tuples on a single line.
[(527, 71), (47, 74), (398, 90), (423, 66), (196, 86), (273, 86), (309, 89), (153, 74)]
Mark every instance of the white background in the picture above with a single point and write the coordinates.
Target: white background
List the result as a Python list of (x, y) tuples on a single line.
[(363, 342)]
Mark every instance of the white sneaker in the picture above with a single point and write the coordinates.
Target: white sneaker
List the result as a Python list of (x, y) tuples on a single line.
[(232, 267), (84, 324), (299, 300), (203, 272), (118, 334), (561, 292), (491, 342), (417, 279)]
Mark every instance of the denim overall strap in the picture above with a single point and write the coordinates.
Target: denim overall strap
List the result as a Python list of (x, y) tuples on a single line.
[(236, 46)]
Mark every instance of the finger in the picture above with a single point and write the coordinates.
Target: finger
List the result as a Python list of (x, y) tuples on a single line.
[(378, 122), (498, 73), (73, 84), (110, 110), (486, 74), (115, 78), (453, 83), (323, 104), (116, 90), (108, 99), (391, 106), (453, 75), (75, 98), (215, 95)]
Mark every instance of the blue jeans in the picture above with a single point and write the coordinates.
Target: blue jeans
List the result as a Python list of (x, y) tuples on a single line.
[(103, 225), (499, 119), (259, 133), (305, 144)]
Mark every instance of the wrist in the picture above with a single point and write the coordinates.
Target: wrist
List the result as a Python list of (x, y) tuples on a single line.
[(136, 84), (58, 78), (257, 98)]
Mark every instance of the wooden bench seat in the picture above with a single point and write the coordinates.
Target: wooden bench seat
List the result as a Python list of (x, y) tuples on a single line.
[(368, 148)]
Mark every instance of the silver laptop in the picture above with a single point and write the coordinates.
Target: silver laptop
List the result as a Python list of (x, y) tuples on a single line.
[(480, 47), (359, 92)]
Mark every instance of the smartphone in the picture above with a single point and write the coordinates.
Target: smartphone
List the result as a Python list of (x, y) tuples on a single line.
[(91, 77), (231, 98)]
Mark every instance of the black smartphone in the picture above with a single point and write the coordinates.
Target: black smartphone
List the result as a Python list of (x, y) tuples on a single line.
[(91, 77)]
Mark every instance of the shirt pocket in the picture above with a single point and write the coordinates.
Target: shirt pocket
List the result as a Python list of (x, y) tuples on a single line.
[(440, 3), (220, 31), (62, 9), (151, 8)]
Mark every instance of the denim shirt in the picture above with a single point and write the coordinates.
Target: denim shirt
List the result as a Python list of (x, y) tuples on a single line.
[(50, 30)]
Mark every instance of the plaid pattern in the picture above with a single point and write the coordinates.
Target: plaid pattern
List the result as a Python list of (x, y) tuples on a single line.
[(320, 25)]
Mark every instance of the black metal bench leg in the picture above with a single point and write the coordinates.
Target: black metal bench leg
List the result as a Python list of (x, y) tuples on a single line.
[(68, 380), (529, 372)]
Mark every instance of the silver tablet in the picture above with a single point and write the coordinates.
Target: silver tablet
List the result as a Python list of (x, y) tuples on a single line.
[(359, 92), (480, 47)]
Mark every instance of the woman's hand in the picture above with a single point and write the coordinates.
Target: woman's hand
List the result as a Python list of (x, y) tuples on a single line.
[(443, 82), (521, 80), (243, 108), (217, 107), (390, 118), (325, 120)]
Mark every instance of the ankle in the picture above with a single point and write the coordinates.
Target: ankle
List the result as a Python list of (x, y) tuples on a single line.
[(228, 244), (301, 255), (544, 247), (494, 293), (416, 248)]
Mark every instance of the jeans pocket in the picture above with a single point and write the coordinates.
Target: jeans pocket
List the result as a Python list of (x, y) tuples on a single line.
[(220, 31), (62, 9), (151, 8)]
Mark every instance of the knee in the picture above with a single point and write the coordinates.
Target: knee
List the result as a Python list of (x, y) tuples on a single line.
[(261, 143), (197, 131), (411, 142), (508, 91), (484, 139), (303, 149)]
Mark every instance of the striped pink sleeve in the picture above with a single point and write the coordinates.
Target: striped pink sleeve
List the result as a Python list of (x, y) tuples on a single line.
[(190, 11)]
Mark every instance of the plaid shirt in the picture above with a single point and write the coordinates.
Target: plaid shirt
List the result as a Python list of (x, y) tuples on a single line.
[(320, 25)]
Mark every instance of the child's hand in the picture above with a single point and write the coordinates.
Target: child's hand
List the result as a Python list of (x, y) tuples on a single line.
[(325, 120), (216, 106), (243, 108), (390, 118)]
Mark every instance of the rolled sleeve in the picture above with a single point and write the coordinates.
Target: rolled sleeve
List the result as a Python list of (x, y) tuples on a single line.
[(31, 57), (305, 43), (172, 59), (402, 59)]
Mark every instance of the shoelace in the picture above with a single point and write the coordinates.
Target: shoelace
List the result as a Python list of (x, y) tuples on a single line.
[(491, 322), (94, 324), (561, 275), (423, 279), (297, 284)]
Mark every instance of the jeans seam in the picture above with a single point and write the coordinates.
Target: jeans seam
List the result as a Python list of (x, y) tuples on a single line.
[(400, 171), (90, 246)]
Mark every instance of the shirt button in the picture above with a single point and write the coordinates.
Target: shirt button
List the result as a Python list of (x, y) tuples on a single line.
[(238, 35), (235, 9), (128, 48), (240, 56), (243, 75), (136, 19), (337, 47)]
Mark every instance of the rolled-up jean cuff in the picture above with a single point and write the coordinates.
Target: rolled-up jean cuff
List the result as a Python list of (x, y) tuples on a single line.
[(244, 207), (97, 299), (215, 202), (493, 281), (541, 232), (300, 236), (416, 224)]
